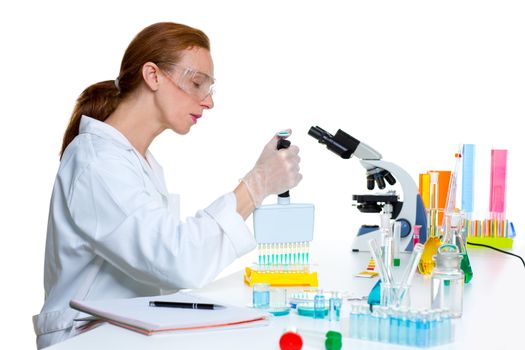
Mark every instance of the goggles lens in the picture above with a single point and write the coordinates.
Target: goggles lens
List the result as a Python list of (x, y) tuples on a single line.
[(196, 84)]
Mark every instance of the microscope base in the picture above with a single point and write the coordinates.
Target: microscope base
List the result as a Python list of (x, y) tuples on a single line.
[(360, 243)]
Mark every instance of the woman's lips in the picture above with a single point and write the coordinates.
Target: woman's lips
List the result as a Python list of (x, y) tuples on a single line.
[(194, 117)]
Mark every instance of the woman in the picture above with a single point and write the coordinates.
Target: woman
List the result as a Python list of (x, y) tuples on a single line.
[(114, 230)]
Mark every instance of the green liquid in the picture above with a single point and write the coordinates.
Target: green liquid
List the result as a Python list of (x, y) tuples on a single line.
[(467, 269)]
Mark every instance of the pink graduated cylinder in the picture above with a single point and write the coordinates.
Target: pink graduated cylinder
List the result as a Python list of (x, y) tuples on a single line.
[(498, 177)]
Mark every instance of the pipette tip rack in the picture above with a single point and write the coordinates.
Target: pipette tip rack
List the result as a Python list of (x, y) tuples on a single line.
[(280, 278)]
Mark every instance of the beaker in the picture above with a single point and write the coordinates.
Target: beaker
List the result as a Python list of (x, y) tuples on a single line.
[(395, 295), (261, 295), (447, 281)]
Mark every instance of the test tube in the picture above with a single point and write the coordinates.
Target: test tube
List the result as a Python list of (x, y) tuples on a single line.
[(364, 321), (373, 325), (452, 186), (412, 328), (403, 326), (498, 176), (467, 180), (433, 221), (384, 272), (354, 321), (384, 325), (319, 301), (433, 327), (394, 331), (422, 326), (409, 272), (410, 269), (388, 252), (396, 261), (434, 190), (417, 228), (334, 303)]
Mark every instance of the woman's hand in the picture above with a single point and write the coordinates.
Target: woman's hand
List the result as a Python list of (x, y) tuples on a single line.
[(276, 171)]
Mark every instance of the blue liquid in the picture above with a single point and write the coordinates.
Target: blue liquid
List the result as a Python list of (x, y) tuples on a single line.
[(261, 300), (433, 330), (404, 330), (335, 309), (412, 332), (446, 335), (422, 330), (373, 327), (319, 306), (354, 325), (363, 319), (422, 326), (394, 334), (384, 328)]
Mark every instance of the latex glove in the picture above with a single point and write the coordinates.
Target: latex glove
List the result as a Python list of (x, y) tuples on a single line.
[(275, 172)]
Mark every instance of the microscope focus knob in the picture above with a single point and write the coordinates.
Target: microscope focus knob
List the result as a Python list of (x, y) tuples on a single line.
[(405, 227)]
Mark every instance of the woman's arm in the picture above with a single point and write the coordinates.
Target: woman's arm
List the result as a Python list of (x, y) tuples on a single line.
[(245, 203)]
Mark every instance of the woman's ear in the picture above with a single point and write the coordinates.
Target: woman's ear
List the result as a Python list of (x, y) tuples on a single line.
[(150, 74)]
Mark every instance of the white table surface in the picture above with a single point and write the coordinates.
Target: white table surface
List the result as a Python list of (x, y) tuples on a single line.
[(493, 310)]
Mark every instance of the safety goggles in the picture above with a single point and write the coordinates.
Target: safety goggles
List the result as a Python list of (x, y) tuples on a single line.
[(196, 84)]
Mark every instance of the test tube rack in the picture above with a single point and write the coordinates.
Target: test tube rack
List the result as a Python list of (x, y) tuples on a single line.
[(417, 328), (496, 233), (280, 278), (497, 242)]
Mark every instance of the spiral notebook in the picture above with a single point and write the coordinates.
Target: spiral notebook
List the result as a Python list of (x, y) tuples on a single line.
[(136, 314)]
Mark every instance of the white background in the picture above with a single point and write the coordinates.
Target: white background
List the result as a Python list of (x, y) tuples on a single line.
[(412, 79)]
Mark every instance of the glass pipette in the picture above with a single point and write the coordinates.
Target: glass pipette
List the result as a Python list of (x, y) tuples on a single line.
[(452, 187)]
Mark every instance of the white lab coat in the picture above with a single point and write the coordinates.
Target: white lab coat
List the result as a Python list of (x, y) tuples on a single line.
[(114, 231)]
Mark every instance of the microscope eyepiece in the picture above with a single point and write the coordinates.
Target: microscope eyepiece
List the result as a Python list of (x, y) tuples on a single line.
[(319, 134), (341, 144)]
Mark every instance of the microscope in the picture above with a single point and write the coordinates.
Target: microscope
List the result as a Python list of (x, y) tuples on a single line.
[(409, 212)]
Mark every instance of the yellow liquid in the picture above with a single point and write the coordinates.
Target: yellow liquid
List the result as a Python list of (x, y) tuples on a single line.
[(426, 263)]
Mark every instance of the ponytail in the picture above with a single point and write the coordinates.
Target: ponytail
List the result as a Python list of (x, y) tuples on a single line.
[(97, 101)]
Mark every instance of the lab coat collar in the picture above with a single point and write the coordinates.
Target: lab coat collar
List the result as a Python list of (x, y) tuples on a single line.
[(93, 126)]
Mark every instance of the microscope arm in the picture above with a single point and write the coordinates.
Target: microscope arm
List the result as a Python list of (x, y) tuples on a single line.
[(413, 209), (365, 152)]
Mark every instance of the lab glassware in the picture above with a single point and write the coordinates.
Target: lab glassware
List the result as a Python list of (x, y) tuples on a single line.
[(426, 264), (447, 281), (319, 307), (261, 295)]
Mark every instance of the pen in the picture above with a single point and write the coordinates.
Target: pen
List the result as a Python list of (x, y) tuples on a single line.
[(181, 305)]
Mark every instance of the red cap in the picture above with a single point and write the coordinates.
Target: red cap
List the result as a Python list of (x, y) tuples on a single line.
[(290, 341)]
